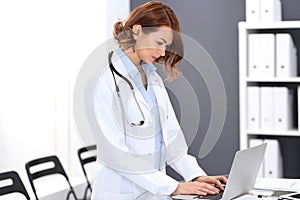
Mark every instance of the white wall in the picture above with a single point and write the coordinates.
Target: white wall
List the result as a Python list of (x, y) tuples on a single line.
[(116, 9), (43, 45)]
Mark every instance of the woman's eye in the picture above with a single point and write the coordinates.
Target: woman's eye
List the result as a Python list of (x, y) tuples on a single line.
[(159, 43)]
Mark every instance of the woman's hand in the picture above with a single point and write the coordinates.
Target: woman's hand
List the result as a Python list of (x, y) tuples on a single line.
[(195, 187), (201, 185), (212, 180)]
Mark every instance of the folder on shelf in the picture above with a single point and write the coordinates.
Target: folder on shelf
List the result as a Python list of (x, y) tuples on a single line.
[(298, 103), (253, 107), (270, 10), (266, 108), (283, 109), (267, 55), (253, 56), (273, 160), (261, 55), (252, 10), (286, 56), (254, 142)]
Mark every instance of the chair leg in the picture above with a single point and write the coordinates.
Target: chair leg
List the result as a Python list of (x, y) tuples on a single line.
[(73, 193), (86, 192), (68, 196)]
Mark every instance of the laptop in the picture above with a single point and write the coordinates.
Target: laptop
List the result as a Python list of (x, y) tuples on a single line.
[(242, 176)]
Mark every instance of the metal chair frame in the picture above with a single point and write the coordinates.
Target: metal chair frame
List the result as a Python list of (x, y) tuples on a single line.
[(57, 169), (83, 162), (16, 186)]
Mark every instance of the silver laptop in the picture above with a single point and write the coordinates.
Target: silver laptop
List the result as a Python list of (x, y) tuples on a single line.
[(242, 175)]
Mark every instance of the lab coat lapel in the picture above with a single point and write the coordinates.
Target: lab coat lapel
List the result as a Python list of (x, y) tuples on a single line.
[(121, 68)]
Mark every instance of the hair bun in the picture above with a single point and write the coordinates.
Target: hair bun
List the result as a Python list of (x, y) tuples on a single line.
[(118, 28)]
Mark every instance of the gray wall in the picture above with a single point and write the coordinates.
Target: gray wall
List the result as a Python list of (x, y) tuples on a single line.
[(213, 23)]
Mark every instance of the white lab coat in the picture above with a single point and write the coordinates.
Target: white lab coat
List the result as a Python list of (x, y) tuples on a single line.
[(111, 183)]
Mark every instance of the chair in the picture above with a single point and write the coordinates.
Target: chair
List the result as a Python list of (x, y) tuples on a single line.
[(57, 169), (83, 161), (16, 186)]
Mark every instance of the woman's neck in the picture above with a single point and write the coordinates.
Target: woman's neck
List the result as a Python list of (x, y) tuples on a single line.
[(134, 59), (137, 63)]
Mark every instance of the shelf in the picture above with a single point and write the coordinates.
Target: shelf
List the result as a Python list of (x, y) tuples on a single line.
[(249, 136), (270, 25), (293, 133), (275, 80)]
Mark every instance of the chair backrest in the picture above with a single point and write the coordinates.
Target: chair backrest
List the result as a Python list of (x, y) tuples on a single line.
[(86, 160), (16, 186), (57, 169)]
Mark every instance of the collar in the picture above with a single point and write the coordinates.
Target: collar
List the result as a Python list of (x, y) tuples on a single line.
[(131, 69)]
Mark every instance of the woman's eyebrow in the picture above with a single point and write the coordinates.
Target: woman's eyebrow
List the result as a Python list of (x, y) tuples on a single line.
[(164, 40)]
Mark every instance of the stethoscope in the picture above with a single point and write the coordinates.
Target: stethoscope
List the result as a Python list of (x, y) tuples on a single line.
[(114, 71), (133, 124)]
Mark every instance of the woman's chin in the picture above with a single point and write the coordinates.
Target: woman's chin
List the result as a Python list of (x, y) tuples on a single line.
[(148, 61)]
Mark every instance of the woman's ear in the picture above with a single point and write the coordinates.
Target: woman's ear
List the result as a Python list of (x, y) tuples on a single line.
[(136, 30)]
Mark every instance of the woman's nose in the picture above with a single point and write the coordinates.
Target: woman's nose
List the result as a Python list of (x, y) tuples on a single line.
[(162, 52)]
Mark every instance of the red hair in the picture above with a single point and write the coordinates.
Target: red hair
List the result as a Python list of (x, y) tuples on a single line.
[(153, 15)]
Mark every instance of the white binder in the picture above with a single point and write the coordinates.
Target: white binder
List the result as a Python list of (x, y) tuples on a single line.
[(253, 56), (266, 111), (298, 103), (252, 10), (253, 108), (286, 56), (261, 55), (283, 109), (267, 55), (273, 160), (270, 10), (254, 142)]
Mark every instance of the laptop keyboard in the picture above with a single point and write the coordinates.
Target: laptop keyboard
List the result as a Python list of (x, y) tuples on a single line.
[(212, 196)]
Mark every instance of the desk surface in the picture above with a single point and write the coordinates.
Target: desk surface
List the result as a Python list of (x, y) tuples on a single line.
[(261, 183)]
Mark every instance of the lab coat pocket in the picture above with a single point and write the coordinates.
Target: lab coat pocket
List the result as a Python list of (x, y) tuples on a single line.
[(118, 196), (137, 110)]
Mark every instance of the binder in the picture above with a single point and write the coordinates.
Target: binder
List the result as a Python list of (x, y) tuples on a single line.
[(283, 109), (273, 160), (253, 55), (270, 10), (267, 55), (298, 103), (266, 111), (254, 142), (253, 107), (261, 55), (286, 56), (252, 10)]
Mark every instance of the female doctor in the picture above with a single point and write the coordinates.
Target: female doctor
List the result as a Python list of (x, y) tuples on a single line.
[(139, 130)]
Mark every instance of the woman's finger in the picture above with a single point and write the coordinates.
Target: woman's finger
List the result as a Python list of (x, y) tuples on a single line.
[(209, 188)]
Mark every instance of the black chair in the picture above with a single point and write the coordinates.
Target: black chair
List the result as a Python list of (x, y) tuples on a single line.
[(16, 186), (57, 169), (86, 160)]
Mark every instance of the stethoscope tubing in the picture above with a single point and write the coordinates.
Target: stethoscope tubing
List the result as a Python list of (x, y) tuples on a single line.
[(114, 71)]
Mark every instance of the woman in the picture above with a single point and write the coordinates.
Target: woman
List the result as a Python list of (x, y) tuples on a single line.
[(141, 126)]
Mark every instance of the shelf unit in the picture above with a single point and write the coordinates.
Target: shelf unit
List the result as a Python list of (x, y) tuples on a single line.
[(246, 28)]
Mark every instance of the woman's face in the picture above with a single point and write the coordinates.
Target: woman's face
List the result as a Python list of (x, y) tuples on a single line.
[(151, 46)]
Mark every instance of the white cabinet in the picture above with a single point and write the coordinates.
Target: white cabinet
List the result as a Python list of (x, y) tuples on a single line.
[(248, 83)]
